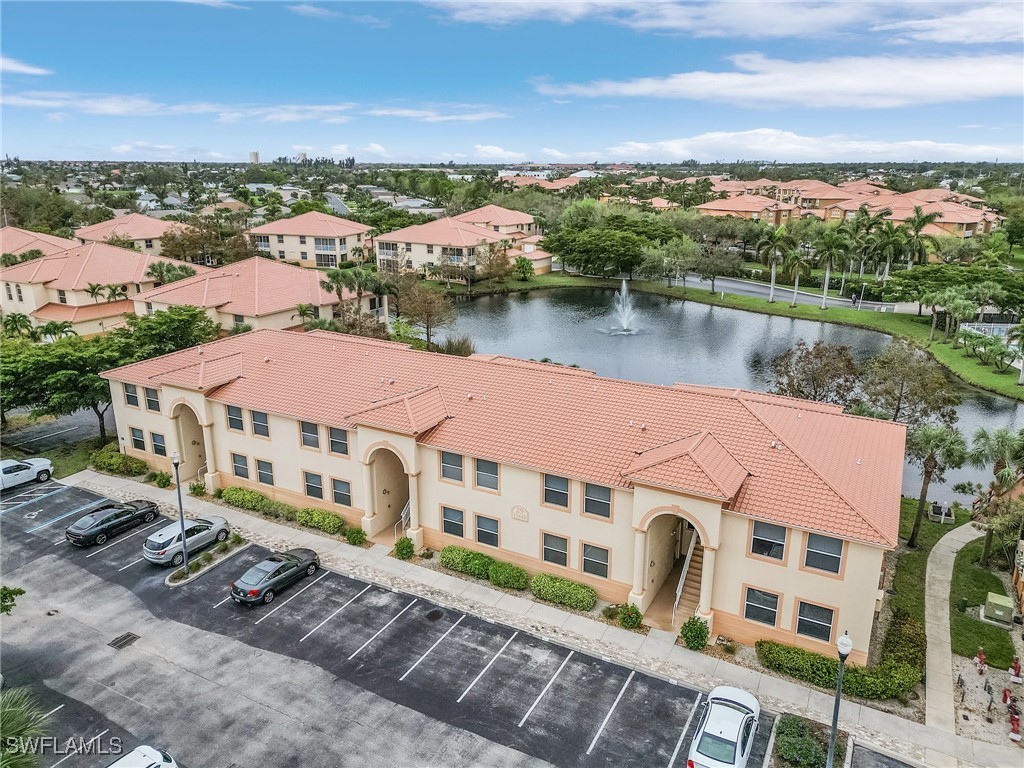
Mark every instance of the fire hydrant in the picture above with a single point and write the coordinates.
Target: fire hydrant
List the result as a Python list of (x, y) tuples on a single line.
[(980, 661), (1006, 695), (1014, 670), (1015, 727)]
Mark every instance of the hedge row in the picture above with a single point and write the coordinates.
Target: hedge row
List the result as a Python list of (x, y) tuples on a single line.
[(565, 592), (803, 743), (499, 573), (110, 459), (321, 519), (905, 640)]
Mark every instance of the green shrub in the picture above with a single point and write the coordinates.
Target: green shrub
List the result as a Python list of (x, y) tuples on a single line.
[(219, 493), (206, 558), (630, 616), (162, 479), (611, 612), (194, 566), (222, 547), (404, 548), (427, 554), (695, 633), (254, 501), (355, 536), (730, 647), (178, 575), (800, 743), (149, 478), (508, 576), (565, 592), (466, 561), (110, 459), (890, 679), (905, 640), (197, 488), (321, 519), (236, 540)]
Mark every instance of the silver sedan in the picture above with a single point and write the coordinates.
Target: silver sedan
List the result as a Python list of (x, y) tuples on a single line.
[(164, 546)]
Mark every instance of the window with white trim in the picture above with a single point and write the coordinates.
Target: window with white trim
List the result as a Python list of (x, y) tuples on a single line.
[(824, 553), (326, 260), (10, 295), (556, 490), (18, 289), (235, 418), (264, 472), (597, 500), (814, 621), (453, 521), (487, 530), (62, 297), (152, 399), (260, 423), (768, 540), (451, 466), (314, 485), (310, 434), (595, 560), (240, 465), (339, 440), (131, 394), (556, 549), (159, 445), (487, 474), (280, 239), (342, 492), (138, 439), (761, 606), (323, 244)]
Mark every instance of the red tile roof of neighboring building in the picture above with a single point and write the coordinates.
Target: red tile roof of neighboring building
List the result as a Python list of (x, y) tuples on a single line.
[(745, 203), (77, 267), (803, 464), (135, 226), (61, 312), (312, 224), (17, 241), (495, 216), (254, 287), (444, 232)]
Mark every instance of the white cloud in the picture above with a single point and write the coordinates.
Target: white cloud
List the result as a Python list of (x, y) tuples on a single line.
[(492, 152), (373, 148), (223, 4), (9, 66), (56, 117), (555, 154), (339, 149), (787, 146), (971, 126), (313, 11), (130, 147), (993, 23), (865, 82), (434, 116)]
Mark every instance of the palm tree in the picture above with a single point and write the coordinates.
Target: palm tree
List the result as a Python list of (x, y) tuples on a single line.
[(770, 249), (305, 312), (958, 309), (96, 291), (832, 247), (888, 243), (21, 721), (936, 448), (1015, 336), (985, 293), (933, 299), (115, 292), (797, 262), (158, 271), (917, 243), (56, 329), (1001, 449), (18, 324)]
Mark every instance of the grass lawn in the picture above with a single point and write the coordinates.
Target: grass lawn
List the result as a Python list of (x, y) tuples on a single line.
[(67, 459), (910, 327), (974, 583)]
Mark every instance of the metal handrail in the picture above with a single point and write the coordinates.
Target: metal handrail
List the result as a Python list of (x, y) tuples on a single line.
[(682, 576)]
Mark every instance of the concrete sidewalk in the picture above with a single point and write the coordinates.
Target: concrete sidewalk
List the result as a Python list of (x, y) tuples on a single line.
[(655, 653)]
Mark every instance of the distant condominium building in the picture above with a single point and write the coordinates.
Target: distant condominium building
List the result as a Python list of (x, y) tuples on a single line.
[(311, 239)]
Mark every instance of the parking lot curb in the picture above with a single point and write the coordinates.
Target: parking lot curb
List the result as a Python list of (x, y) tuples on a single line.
[(202, 571)]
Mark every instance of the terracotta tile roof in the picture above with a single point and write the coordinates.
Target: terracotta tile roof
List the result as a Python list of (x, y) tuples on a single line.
[(17, 241), (61, 312), (75, 268), (136, 226), (535, 255), (697, 462), (312, 224), (746, 203), (444, 232), (254, 287), (495, 216), (809, 465)]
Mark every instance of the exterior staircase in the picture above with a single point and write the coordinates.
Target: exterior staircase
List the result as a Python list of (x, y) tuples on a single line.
[(691, 587)]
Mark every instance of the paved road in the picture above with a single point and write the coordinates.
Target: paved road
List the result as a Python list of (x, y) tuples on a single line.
[(43, 435), (337, 204), (782, 294)]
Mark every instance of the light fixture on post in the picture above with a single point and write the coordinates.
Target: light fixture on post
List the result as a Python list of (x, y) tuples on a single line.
[(844, 645), (176, 460)]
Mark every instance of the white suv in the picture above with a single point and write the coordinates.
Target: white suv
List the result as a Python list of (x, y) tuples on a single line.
[(14, 473)]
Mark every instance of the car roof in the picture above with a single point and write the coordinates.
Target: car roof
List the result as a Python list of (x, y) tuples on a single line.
[(140, 757), (736, 696)]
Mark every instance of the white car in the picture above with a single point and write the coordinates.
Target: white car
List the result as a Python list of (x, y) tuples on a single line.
[(144, 757), (14, 473), (726, 730)]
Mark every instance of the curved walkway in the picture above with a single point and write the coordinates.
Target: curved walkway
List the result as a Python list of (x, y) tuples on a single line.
[(939, 709)]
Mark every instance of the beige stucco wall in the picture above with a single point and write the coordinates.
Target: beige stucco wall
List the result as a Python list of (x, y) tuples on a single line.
[(294, 248)]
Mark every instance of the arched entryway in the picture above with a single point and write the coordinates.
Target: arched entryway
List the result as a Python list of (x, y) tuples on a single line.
[(388, 493), (675, 559), (190, 442)]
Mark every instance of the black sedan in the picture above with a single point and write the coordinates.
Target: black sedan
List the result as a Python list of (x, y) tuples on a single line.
[(262, 582), (102, 523)]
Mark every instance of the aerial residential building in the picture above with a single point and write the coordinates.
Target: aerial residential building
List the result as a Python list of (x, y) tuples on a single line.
[(18, 241), (955, 219), (144, 231), (499, 219), (56, 288), (771, 515), (529, 247), (442, 241), (310, 239), (257, 292), (749, 206)]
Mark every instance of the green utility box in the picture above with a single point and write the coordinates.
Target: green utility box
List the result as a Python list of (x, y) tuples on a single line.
[(999, 609)]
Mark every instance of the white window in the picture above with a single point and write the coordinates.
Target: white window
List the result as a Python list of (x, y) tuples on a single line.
[(138, 439), (430, 249), (339, 440), (280, 239), (487, 474), (264, 472), (342, 491), (240, 465), (149, 308), (235, 418), (131, 395), (280, 254), (556, 549), (768, 540), (148, 243), (761, 606), (303, 256), (263, 242), (556, 490), (323, 244), (487, 530), (597, 500), (451, 466), (260, 423), (453, 521), (310, 434), (314, 485), (62, 297), (302, 239), (10, 295), (595, 560), (239, 320), (326, 260), (814, 621), (18, 289), (152, 399), (824, 553), (159, 445)]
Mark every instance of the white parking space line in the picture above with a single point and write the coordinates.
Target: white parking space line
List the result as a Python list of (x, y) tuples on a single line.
[(133, 562), (375, 634), (85, 748), (346, 605), (546, 687), (284, 603), (35, 498), (218, 605), (686, 727), (125, 538), (610, 712), (436, 643), (61, 517), (55, 709), (489, 663)]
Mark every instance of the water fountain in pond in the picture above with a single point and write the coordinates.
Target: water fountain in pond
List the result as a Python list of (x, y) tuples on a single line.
[(625, 312)]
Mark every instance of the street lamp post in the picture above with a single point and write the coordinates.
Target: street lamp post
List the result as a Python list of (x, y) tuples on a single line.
[(176, 460), (844, 645)]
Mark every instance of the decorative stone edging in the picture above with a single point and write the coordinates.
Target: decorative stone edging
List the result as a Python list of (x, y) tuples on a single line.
[(227, 556)]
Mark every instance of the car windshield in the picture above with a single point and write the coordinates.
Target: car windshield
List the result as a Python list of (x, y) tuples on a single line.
[(86, 522), (717, 748), (258, 573)]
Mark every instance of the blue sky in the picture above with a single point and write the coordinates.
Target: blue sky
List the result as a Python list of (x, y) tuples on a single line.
[(511, 81)]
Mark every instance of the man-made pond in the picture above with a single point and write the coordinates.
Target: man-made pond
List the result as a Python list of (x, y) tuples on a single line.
[(687, 341)]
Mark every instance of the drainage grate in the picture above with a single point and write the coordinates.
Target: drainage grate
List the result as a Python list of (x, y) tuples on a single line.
[(123, 641)]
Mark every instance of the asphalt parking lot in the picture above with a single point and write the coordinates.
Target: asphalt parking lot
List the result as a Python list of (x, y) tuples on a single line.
[(398, 667)]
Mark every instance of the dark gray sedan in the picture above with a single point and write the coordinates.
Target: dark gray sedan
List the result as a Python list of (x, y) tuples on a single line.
[(102, 523), (262, 582)]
